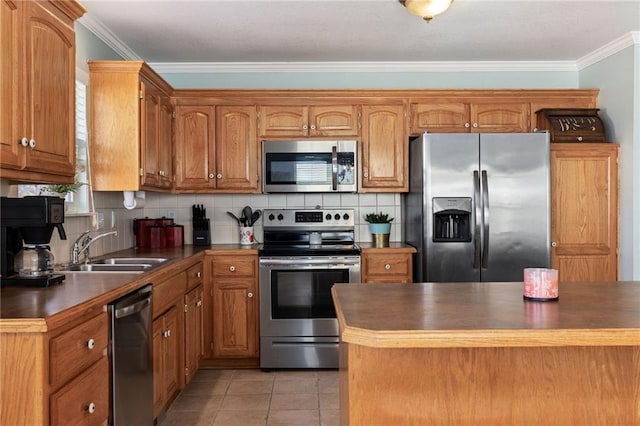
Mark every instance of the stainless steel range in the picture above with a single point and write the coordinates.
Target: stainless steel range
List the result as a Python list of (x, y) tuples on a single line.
[(304, 253)]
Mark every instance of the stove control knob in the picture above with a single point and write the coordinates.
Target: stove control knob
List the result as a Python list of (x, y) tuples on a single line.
[(345, 216), (280, 217), (337, 216), (328, 216), (271, 216)]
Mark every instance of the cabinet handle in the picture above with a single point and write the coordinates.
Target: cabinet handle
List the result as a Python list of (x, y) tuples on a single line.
[(232, 268), (24, 142), (467, 125), (166, 334), (91, 343), (198, 274), (219, 176), (211, 175), (554, 244), (199, 303), (249, 295), (365, 173), (91, 408), (579, 138), (32, 143), (387, 266), (305, 127), (313, 127), (475, 124)]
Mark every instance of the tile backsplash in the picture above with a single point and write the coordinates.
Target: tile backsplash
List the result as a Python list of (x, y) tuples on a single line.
[(223, 228)]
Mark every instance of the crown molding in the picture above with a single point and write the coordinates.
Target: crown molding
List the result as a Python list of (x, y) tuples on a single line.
[(108, 37), (611, 48), (345, 67)]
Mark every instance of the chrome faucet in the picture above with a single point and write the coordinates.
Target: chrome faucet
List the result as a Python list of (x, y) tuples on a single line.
[(83, 242)]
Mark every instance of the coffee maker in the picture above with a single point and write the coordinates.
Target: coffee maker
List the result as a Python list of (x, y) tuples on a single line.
[(26, 226)]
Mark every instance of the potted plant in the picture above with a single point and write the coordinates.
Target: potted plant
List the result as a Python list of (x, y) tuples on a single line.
[(380, 228)]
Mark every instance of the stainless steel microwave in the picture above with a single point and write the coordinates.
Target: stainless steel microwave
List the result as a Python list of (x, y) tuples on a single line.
[(309, 166)]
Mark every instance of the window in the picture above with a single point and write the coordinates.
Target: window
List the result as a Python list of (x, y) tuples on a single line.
[(79, 201)]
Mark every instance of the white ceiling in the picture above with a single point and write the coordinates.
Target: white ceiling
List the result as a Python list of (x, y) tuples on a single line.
[(266, 31)]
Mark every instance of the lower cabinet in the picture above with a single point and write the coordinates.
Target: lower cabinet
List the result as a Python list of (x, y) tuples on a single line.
[(387, 265), (166, 358), (193, 322), (231, 318)]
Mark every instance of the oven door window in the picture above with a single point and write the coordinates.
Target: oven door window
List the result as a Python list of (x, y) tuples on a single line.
[(305, 293), (298, 168)]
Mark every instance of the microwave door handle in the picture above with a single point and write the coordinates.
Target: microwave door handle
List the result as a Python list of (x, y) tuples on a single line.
[(334, 168)]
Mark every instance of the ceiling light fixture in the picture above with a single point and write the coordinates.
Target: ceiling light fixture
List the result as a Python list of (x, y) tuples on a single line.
[(426, 9)]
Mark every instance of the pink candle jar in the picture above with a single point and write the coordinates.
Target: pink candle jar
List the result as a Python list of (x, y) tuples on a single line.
[(541, 284)]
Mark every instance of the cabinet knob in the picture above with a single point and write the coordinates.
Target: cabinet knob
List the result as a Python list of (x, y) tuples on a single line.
[(91, 343), (579, 138), (32, 143), (91, 408), (467, 125), (198, 274), (211, 175), (166, 334), (475, 124), (305, 127), (553, 244), (313, 127), (365, 173), (24, 142), (387, 266), (219, 175), (199, 303), (232, 268), (249, 295)]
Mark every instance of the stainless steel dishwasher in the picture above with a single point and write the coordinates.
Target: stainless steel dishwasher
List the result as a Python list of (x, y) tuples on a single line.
[(131, 359)]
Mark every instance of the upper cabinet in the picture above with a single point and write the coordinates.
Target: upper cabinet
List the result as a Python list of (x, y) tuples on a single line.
[(441, 116), (37, 83), (384, 149), (308, 121), (130, 113), (216, 149)]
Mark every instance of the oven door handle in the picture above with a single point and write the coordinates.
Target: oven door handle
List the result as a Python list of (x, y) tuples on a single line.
[(334, 168), (300, 263)]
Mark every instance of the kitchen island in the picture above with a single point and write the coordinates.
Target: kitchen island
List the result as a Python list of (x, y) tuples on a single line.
[(477, 353)]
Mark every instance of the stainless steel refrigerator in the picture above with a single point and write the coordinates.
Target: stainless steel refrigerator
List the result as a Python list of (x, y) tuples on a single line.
[(478, 205)]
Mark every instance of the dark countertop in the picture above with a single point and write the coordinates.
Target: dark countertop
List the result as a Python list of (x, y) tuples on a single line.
[(487, 315), (34, 309)]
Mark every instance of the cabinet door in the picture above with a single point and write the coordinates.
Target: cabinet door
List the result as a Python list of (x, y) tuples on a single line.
[(236, 148), (387, 267), (384, 148), (440, 117), (149, 137), (158, 365), (284, 121), (584, 211), (165, 146), (334, 120), (195, 156), (235, 333), (193, 332), (172, 352), (500, 117), (49, 91), (10, 148)]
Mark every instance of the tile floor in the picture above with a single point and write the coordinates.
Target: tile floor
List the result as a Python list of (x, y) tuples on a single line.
[(253, 397)]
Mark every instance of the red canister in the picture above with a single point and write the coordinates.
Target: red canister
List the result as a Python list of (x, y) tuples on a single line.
[(141, 231), (174, 235), (157, 237)]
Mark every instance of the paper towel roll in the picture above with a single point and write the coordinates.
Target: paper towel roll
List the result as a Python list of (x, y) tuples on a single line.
[(129, 200)]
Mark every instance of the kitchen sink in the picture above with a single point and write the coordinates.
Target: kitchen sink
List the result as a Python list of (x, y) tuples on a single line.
[(118, 264)]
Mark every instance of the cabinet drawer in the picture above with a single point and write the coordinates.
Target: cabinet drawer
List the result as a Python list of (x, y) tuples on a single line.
[(234, 266), (76, 349), (85, 400), (166, 292), (388, 264), (194, 275)]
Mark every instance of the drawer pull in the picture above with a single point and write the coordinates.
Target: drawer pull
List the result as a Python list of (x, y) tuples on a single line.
[(91, 343), (387, 266), (91, 408), (232, 268)]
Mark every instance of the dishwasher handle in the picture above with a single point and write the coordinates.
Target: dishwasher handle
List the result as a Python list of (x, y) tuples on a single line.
[(132, 303)]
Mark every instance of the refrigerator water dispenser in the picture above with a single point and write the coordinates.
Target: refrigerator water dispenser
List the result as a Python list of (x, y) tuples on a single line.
[(451, 219)]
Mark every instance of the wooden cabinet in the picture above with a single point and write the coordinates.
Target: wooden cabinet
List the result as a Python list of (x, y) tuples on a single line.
[(232, 316), (308, 121), (37, 83), (498, 115), (129, 113), (384, 149), (584, 211), (216, 149), (387, 265), (166, 358), (193, 322)]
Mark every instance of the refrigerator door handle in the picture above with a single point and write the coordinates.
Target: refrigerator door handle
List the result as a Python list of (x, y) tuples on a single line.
[(477, 213), (485, 220)]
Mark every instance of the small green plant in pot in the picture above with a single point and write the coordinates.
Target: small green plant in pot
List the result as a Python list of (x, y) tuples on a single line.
[(380, 227)]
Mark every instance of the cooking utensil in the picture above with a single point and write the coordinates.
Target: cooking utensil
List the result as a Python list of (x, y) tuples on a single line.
[(246, 214), (255, 216), (235, 217)]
